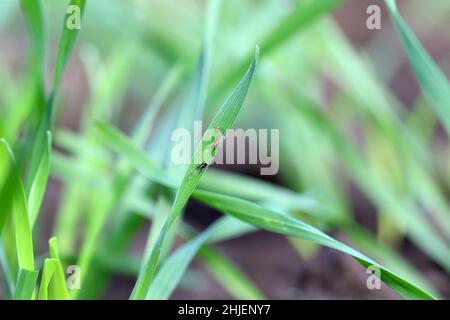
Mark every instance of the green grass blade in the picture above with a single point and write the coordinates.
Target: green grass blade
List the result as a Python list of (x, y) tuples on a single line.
[(47, 276), (145, 123), (259, 191), (190, 111), (224, 271), (26, 283), (58, 288), (280, 222), (53, 283), (39, 184), (224, 119), (6, 271), (230, 229), (387, 255), (120, 143), (10, 170), (32, 12), (174, 267), (433, 82), (118, 185), (22, 229), (204, 64), (305, 14), (66, 44)]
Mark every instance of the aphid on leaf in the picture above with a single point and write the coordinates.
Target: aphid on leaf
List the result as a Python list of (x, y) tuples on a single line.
[(198, 169)]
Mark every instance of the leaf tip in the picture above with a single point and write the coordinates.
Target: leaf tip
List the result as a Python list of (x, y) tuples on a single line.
[(49, 138), (52, 241)]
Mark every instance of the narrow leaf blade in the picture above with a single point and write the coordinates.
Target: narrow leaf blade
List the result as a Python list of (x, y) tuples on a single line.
[(280, 222)]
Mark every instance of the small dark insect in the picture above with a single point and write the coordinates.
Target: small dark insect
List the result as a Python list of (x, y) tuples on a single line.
[(202, 166), (198, 169)]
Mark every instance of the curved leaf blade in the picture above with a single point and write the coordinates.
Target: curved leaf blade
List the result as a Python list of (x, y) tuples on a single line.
[(282, 223), (432, 80), (224, 119), (39, 184), (26, 283), (22, 228)]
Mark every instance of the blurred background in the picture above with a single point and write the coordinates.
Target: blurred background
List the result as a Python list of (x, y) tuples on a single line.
[(356, 132)]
